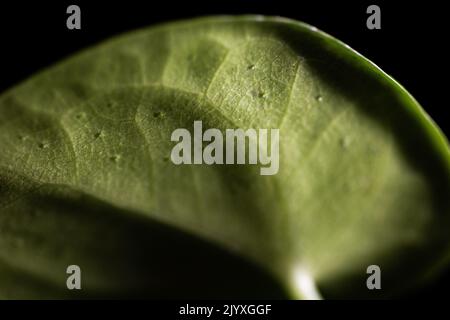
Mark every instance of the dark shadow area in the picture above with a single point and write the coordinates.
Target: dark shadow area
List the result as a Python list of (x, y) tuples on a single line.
[(123, 254)]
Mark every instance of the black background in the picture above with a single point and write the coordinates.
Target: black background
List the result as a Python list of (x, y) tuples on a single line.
[(409, 47)]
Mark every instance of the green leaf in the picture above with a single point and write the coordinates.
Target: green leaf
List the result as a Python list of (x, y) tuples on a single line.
[(85, 175)]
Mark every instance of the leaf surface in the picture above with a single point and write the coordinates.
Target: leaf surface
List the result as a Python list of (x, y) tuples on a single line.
[(86, 176)]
